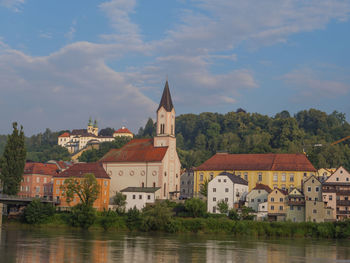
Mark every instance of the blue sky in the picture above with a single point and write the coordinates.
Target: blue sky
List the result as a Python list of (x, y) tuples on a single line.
[(63, 61)]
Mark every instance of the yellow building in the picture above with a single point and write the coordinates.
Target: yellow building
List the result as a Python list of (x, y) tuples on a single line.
[(282, 171), (277, 205)]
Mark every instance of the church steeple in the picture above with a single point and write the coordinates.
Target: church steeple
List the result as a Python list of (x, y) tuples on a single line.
[(166, 101)]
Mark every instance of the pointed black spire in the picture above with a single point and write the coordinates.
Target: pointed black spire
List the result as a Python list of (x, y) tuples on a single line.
[(166, 101)]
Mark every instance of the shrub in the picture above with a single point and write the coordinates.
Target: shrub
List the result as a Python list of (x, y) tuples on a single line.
[(156, 217), (195, 207), (233, 215), (82, 216), (133, 219), (37, 212), (222, 207), (107, 219)]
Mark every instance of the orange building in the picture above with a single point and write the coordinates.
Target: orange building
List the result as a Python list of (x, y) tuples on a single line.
[(35, 178), (78, 171)]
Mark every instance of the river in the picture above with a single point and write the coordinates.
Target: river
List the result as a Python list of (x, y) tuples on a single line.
[(28, 245)]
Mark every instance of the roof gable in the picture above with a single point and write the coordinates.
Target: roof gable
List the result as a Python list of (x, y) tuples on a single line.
[(262, 187), (166, 101), (341, 175), (123, 130), (234, 178), (137, 150), (80, 169), (295, 192)]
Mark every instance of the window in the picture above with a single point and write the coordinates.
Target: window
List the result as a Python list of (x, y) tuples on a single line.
[(183, 182), (283, 187), (272, 207), (337, 179), (272, 199), (165, 174), (28, 179), (214, 190), (347, 179), (219, 180), (38, 179), (211, 176), (105, 182), (305, 174), (265, 200), (143, 185), (226, 199), (252, 200), (140, 196), (246, 176), (214, 209), (275, 177), (201, 177), (21, 188), (291, 207), (259, 200), (299, 208), (45, 180), (154, 185), (309, 188), (58, 182), (283, 177), (224, 180), (226, 190), (214, 199), (149, 197), (314, 211), (281, 199), (291, 177), (328, 212), (317, 189), (57, 191), (133, 196), (281, 208), (260, 177)]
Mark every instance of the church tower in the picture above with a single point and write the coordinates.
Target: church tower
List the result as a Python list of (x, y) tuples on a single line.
[(90, 127), (165, 120)]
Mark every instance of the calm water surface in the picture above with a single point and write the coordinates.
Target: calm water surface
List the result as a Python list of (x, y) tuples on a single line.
[(22, 245)]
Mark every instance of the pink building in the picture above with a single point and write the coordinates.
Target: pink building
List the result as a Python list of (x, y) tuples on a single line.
[(37, 178)]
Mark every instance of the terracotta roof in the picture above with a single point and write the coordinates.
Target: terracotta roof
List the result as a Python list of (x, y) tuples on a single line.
[(285, 192), (40, 168), (140, 189), (82, 132), (262, 187), (166, 101), (123, 130), (234, 178), (137, 150), (66, 134), (80, 169), (257, 162)]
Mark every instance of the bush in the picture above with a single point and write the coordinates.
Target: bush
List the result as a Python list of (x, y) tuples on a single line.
[(82, 216), (133, 219), (233, 215), (195, 207), (37, 212), (156, 217), (107, 219)]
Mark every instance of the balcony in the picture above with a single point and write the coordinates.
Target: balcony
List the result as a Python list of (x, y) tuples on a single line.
[(343, 202), (343, 212), (338, 192), (301, 202)]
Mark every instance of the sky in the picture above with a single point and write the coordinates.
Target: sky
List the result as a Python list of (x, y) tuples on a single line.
[(62, 61)]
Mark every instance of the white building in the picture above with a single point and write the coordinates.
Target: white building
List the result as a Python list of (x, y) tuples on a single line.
[(149, 162), (257, 196), (78, 139), (139, 196), (262, 211), (123, 132), (227, 187)]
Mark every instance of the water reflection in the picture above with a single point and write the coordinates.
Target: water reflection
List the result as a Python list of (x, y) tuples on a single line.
[(26, 246)]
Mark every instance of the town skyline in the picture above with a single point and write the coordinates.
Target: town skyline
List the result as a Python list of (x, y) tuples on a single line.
[(110, 59)]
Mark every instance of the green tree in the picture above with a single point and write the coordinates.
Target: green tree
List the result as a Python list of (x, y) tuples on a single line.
[(195, 207), (156, 217), (119, 200), (204, 188), (82, 216), (233, 215), (37, 212), (12, 162), (222, 206), (106, 132), (87, 189)]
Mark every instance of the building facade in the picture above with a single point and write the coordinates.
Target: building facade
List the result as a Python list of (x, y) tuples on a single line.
[(123, 132), (226, 187), (139, 197), (295, 206), (186, 184), (36, 177), (257, 196), (277, 201), (282, 171), (336, 193), (149, 162), (78, 139), (78, 172)]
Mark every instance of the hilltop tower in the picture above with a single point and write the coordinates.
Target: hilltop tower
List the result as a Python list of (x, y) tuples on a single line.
[(95, 128), (90, 127)]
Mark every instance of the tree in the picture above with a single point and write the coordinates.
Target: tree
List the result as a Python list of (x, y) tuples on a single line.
[(106, 132), (195, 207), (156, 217), (204, 188), (222, 206), (37, 212), (119, 200), (87, 189), (13, 161)]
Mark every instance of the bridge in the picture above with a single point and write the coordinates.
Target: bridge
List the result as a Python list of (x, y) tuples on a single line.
[(23, 201)]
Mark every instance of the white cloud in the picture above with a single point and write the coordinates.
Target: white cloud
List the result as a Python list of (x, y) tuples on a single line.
[(71, 33), (309, 83), (15, 5)]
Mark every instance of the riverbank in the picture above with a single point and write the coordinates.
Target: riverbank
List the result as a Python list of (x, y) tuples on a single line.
[(221, 225)]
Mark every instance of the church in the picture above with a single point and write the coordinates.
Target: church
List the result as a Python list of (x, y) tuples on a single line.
[(148, 162)]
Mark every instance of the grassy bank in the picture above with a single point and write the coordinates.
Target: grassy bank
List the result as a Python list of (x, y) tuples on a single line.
[(209, 225)]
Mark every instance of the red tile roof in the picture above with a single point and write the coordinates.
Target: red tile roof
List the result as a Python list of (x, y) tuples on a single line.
[(262, 187), (137, 150), (66, 134), (123, 130), (257, 162), (80, 169), (40, 168)]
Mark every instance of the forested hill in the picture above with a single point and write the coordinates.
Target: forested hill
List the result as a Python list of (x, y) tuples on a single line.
[(200, 136)]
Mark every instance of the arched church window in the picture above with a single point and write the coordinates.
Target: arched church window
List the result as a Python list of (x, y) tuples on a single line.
[(164, 189)]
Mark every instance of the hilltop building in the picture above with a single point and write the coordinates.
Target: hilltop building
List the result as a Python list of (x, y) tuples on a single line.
[(282, 171), (78, 139), (123, 132), (149, 162)]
